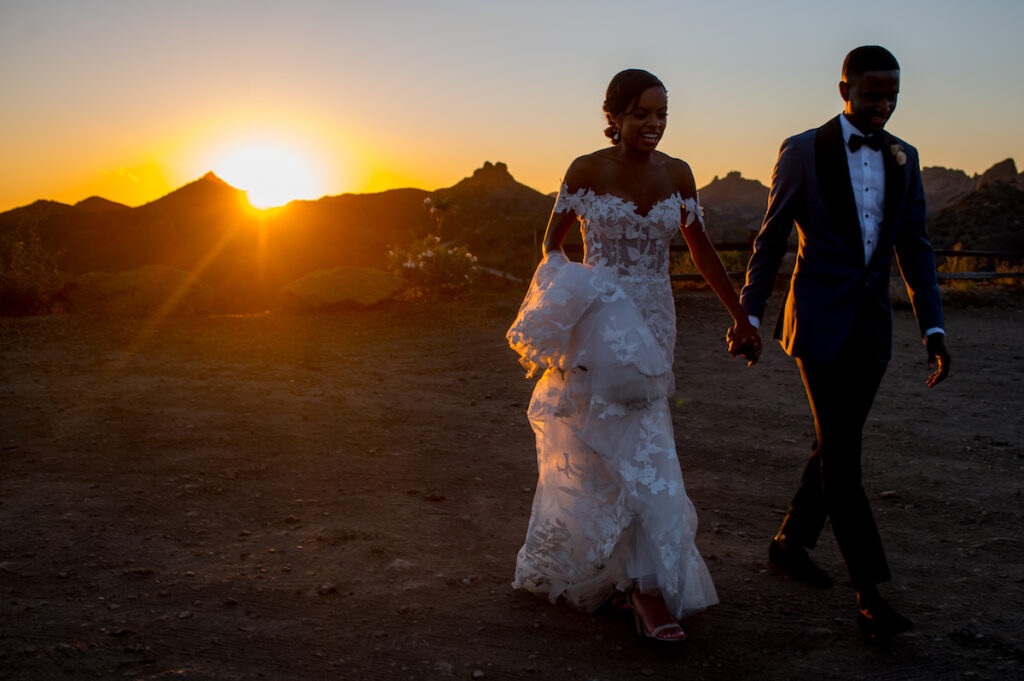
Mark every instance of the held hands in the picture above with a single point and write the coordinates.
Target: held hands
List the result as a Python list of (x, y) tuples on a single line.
[(938, 359), (744, 341)]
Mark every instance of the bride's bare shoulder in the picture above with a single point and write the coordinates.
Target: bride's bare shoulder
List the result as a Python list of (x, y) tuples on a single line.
[(589, 171), (682, 175)]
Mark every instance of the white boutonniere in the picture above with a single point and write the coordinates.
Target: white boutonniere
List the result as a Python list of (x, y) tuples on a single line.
[(898, 154)]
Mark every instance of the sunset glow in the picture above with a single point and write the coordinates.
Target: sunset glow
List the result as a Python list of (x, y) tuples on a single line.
[(270, 174), (129, 101)]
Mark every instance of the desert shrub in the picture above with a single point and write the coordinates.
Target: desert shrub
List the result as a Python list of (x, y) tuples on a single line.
[(432, 269), (30, 279), (1009, 268), (966, 263), (682, 263)]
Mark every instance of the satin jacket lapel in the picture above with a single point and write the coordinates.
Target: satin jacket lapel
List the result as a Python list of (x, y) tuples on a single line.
[(895, 176), (833, 172)]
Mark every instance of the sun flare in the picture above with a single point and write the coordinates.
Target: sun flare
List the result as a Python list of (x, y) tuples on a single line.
[(270, 174)]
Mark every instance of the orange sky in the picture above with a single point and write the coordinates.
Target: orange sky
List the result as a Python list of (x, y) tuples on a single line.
[(129, 100)]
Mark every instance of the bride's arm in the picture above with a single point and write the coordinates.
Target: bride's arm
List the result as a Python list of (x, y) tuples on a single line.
[(743, 336), (562, 217), (558, 228)]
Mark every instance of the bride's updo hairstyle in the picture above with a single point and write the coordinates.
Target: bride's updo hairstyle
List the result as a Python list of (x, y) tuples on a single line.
[(625, 88)]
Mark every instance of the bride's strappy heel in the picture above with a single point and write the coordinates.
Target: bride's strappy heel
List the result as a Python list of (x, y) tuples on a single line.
[(674, 631)]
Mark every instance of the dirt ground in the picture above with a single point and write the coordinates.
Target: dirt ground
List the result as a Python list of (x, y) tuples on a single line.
[(342, 496)]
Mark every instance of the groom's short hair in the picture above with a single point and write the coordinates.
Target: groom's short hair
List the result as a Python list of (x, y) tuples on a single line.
[(866, 58)]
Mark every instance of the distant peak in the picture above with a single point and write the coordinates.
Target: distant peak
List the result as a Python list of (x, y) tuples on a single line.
[(496, 167), (492, 171), (98, 204), (212, 177), (211, 180), (731, 176), (1004, 171), (732, 180)]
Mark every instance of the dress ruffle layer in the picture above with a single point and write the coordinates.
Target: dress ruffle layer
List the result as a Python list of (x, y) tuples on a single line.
[(610, 509), (577, 317)]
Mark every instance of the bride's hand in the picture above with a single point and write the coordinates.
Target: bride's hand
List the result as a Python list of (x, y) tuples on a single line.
[(744, 341)]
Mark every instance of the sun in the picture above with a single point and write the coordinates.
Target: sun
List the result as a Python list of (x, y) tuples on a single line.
[(271, 174)]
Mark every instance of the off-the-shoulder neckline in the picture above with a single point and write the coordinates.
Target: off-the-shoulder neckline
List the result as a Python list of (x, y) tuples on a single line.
[(582, 191)]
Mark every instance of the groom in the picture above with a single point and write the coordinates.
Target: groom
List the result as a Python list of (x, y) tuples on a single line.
[(854, 192)]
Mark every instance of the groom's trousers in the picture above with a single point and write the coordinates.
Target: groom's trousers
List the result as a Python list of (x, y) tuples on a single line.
[(840, 392)]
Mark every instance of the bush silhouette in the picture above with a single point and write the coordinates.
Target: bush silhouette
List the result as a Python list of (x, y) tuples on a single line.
[(30, 280)]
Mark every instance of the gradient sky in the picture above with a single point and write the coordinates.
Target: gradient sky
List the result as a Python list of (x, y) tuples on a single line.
[(130, 99)]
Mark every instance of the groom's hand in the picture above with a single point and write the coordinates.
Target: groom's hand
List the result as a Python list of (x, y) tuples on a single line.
[(938, 358)]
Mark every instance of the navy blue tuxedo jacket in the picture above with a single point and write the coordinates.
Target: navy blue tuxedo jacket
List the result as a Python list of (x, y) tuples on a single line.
[(832, 287)]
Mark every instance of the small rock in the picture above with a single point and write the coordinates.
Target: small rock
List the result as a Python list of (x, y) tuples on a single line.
[(479, 674), (400, 564), (185, 614)]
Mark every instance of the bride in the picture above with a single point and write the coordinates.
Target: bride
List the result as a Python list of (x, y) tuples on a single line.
[(610, 511)]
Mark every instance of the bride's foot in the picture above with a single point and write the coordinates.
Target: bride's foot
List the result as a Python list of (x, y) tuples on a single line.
[(653, 619), (619, 600)]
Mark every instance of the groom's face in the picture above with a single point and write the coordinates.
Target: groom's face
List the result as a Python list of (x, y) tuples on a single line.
[(871, 99)]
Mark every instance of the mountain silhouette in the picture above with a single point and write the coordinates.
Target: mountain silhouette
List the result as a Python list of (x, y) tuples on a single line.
[(989, 218), (207, 227), (246, 256), (733, 207), (496, 217), (1004, 172), (944, 187), (97, 204)]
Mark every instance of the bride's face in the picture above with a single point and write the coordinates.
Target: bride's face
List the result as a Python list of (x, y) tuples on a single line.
[(642, 126)]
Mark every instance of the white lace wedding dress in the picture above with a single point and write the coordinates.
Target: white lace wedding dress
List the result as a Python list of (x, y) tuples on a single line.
[(610, 508)]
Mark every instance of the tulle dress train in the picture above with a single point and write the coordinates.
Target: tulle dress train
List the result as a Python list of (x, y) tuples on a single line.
[(610, 509)]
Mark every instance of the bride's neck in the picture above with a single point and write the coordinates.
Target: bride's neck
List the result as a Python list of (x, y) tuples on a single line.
[(632, 155)]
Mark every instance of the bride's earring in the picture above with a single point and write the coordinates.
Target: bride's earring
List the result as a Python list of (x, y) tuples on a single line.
[(617, 135)]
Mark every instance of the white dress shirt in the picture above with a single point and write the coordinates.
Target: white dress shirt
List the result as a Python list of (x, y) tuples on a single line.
[(867, 175)]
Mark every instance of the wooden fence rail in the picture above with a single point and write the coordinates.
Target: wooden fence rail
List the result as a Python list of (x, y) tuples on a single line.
[(744, 247)]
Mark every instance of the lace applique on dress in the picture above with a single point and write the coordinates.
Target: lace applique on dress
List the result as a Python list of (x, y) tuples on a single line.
[(610, 508)]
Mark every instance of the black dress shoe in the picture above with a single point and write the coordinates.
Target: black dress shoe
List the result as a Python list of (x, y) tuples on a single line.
[(794, 561), (877, 619)]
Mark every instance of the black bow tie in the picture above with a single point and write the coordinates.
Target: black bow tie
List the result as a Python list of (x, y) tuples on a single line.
[(871, 141)]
